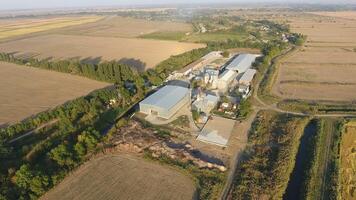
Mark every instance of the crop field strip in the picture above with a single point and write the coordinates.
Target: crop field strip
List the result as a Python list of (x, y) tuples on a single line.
[(17, 29), (325, 68), (95, 39), (37, 90), (116, 26)]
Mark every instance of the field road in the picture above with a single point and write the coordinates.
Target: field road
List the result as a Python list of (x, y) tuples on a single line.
[(34, 130)]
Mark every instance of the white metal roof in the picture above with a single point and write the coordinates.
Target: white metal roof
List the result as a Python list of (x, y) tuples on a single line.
[(242, 62), (228, 75), (212, 98), (248, 76), (166, 97)]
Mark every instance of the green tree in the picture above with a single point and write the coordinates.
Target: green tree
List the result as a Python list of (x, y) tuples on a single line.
[(225, 54), (32, 183), (87, 141), (63, 156)]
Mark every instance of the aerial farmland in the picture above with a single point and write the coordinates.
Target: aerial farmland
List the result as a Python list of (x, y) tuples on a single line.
[(324, 68), (97, 38), (37, 90)]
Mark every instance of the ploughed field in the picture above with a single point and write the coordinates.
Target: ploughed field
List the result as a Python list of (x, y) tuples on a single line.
[(124, 177), (26, 91), (325, 68), (110, 38)]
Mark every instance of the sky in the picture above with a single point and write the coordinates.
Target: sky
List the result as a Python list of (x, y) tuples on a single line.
[(32, 4)]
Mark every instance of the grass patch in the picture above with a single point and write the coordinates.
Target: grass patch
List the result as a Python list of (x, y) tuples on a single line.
[(347, 167), (181, 122), (176, 36), (215, 37), (320, 181), (312, 107)]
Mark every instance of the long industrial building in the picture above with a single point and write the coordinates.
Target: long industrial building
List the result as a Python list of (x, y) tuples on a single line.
[(166, 101), (242, 62), (225, 80), (247, 77)]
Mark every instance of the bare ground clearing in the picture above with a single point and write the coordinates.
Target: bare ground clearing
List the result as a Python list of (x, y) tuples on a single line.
[(137, 52), (124, 177), (26, 91), (325, 68)]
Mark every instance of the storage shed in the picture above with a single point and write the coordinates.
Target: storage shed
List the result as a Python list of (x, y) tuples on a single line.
[(166, 101), (247, 77), (242, 62), (226, 79)]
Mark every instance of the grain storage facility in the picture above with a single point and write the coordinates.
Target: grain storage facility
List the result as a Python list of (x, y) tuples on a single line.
[(166, 101), (226, 79), (247, 77), (242, 62)]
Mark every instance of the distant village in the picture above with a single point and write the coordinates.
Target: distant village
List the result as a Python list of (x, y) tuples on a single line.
[(208, 91)]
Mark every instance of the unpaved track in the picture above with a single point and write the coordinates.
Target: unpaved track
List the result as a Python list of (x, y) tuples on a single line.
[(330, 130)]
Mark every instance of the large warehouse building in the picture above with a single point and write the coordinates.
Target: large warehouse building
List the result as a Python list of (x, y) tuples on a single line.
[(242, 62), (166, 101)]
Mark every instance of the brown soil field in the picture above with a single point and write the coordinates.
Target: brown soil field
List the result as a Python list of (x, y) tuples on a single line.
[(124, 177), (26, 91), (116, 26), (323, 69), (137, 52), (348, 162)]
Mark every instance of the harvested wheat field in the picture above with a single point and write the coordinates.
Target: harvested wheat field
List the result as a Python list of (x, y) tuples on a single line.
[(140, 52), (17, 27), (325, 68), (124, 177), (26, 91), (348, 162), (116, 26)]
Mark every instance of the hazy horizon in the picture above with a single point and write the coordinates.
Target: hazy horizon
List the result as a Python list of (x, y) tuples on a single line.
[(40, 4)]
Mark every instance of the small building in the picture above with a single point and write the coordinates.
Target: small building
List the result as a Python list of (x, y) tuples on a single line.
[(166, 101), (206, 103), (247, 77), (242, 62), (244, 90), (226, 79)]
